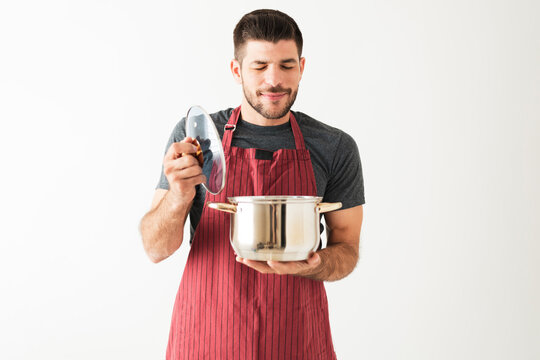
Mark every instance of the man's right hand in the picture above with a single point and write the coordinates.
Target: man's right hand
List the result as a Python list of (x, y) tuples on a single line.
[(183, 172)]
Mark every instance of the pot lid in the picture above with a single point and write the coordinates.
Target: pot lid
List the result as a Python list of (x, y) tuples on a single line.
[(200, 126)]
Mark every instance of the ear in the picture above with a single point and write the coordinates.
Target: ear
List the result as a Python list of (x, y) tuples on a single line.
[(236, 71), (302, 64)]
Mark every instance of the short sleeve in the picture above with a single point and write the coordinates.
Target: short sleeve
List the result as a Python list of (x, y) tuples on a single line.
[(346, 182), (177, 135)]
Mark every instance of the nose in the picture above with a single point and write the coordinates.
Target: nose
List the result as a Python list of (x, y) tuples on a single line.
[(272, 76)]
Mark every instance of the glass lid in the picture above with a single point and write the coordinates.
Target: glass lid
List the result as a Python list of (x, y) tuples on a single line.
[(199, 126)]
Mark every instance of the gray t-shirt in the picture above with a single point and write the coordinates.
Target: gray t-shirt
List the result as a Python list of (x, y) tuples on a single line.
[(334, 156)]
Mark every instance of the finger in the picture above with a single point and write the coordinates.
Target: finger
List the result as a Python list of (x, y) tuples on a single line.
[(260, 266), (184, 181), (295, 267), (178, 148), (289, 267), (186, 162), (196, 180), (185, 174), (314, 260), (181, 163)]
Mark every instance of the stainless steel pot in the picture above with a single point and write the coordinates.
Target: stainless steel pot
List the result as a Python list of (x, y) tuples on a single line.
[(283, 228)]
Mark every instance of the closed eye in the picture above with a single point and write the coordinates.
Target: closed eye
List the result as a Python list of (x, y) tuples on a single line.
[(282, 66)]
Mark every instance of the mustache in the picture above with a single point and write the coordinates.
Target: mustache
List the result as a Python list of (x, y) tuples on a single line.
[(274, 89)]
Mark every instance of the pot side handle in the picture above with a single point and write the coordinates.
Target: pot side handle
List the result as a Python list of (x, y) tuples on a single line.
[(230, 208), (326, 207)]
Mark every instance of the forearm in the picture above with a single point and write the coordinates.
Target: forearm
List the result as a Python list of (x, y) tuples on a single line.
[(337, 261), (162, 228)]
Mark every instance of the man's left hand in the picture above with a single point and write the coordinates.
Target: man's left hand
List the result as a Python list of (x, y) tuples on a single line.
[(302, 268)]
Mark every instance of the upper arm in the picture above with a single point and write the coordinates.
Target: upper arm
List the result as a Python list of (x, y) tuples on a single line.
[(344, 226), (158, 195), (345, 178)]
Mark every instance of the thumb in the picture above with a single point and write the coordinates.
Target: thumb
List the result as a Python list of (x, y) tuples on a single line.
[(314, 260)]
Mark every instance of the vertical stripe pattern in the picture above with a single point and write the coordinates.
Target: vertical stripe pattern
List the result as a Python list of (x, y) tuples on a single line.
[(226, 310)]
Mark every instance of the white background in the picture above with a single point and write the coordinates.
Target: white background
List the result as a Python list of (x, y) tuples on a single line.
[(442, 97)]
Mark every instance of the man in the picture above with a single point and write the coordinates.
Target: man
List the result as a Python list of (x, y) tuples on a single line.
[(228, 307)]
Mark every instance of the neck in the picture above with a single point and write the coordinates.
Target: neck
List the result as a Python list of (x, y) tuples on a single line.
[(250, 115)]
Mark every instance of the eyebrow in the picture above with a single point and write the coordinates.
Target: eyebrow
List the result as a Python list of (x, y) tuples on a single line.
[(264, 62)]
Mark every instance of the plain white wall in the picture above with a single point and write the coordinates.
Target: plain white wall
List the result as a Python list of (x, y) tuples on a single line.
[(442, 98)]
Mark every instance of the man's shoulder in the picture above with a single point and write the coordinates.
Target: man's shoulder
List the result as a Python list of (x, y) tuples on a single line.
[(221, 116), (313, 128)]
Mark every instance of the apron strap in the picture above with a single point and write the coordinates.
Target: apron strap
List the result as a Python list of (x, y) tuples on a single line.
[(233, 121), (229, 129), (298, 138)]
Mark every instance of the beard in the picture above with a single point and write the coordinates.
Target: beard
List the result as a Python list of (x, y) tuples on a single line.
[(265, 111)]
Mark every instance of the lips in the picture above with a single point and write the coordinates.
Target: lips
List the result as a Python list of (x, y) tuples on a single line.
[(273, 96)]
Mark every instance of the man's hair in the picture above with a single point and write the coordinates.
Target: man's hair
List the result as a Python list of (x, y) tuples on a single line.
[(267, 25)]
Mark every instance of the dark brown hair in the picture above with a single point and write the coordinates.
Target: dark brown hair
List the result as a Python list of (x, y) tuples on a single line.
[(268, 25)]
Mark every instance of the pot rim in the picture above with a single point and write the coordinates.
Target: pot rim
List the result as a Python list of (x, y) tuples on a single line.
[(275, 199)]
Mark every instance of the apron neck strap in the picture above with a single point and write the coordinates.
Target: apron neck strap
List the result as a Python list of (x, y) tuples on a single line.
[(233, 121)]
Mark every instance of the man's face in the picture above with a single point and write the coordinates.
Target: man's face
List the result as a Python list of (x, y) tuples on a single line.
[(270, 74)]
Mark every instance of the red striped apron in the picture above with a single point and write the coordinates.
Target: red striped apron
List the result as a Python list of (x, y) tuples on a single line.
[(226, 310)]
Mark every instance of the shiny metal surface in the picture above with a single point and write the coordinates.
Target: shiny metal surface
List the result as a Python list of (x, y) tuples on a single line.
[(283, 228), (275, 199)]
